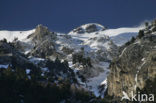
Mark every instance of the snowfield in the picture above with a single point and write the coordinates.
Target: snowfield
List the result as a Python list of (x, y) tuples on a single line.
[(119, 36), (4, 66), (11, 35), (118, 31)]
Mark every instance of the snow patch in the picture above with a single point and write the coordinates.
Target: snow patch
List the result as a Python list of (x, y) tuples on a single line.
[(27, 71), (136, 76), (4, 66), (123, 52), (35, 60), (95, 82)]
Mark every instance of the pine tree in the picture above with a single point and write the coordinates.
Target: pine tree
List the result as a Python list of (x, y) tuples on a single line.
[(66, 63), (89, 62), (141, 34), (57, 61), (74, 59), (21, 74), (4, 40), (146, 24), (132, 40)]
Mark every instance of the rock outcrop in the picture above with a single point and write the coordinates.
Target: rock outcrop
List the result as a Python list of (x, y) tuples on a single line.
[(41, 33), (88, 28), (44, 42)]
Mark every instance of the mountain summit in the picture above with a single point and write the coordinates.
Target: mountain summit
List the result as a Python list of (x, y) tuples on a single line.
[(88, 28)]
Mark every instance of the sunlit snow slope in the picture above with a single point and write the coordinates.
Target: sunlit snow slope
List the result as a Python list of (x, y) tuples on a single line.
[(119, 36), (11, 35)]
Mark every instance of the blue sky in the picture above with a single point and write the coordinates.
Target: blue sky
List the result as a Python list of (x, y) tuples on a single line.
[(64, 15)]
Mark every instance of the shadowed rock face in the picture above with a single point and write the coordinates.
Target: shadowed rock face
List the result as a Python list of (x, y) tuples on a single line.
[(89, 28), (134, 66)]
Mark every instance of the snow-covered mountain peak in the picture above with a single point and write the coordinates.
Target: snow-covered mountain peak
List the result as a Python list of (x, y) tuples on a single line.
[(88, 28), (98, 26)]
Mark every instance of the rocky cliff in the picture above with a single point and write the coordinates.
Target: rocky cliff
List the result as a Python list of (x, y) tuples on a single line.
[(135, 65)]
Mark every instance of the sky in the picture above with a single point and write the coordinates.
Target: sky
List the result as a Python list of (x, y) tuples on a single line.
[(64, 15)]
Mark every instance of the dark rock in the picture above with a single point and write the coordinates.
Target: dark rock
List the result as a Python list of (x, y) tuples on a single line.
[(91, 28), (79, 30)]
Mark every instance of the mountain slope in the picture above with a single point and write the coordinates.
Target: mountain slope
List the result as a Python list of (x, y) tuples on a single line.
[(11, 35), (135, 65), (121, 35)]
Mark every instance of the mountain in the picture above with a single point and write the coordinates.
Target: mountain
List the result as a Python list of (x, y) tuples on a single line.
[(81, 57)]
